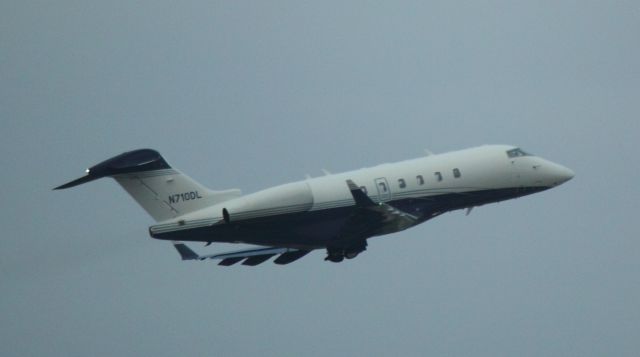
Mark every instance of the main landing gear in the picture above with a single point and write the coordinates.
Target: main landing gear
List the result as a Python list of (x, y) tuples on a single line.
[(336, 255)]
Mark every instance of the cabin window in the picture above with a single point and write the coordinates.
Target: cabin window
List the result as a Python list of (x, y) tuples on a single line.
[(420, 180), (438, 176), (383, 186), (363, 189), (402, 183), (456, 173)]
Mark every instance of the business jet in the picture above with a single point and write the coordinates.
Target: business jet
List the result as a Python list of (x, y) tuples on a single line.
[(336, 212)]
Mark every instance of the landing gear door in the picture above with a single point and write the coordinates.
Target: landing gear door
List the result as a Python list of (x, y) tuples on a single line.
[(384, 191)]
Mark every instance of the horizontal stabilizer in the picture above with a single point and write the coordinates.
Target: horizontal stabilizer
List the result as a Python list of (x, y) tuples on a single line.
[(132, 161), (76, 182)]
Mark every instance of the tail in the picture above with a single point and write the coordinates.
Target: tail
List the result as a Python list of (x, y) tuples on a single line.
[(165, 193)]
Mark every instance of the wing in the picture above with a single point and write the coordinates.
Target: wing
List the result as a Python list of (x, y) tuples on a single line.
[(375, 218), (251, 257)]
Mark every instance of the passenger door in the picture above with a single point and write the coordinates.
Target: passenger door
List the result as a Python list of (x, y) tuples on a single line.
[(384, 191)]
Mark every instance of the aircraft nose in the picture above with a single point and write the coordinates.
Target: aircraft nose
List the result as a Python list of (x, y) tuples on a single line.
[(560, 174)]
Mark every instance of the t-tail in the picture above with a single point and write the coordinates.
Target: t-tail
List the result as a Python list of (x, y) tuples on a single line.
[(164, 192)]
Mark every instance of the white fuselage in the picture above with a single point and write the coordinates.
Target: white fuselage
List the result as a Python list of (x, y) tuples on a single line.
[(483, 174), (334, 212)]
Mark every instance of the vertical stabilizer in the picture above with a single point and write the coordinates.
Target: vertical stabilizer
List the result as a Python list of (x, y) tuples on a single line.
[(165, 193)]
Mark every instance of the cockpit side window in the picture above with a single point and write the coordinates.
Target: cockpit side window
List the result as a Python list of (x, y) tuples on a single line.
[(517, 152)]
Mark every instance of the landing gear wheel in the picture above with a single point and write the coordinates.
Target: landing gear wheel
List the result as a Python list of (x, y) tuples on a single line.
[(335, 255), (351, 255), (355, 249), (334, 258)]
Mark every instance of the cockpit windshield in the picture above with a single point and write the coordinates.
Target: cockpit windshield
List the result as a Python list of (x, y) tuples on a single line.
[(517, 152)]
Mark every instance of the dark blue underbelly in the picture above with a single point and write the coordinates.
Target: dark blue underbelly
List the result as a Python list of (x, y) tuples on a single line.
[(322, 228)]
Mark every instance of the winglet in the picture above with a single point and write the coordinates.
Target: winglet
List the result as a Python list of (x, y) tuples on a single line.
[(185, 252), (359, 196)]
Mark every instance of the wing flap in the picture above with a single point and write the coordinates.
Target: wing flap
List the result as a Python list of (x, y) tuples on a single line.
[(290, 257), (249, 253), (251, 257), (230, 261), (257, 259)]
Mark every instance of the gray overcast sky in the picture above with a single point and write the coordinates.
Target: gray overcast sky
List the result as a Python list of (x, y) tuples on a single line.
[(253, 94)]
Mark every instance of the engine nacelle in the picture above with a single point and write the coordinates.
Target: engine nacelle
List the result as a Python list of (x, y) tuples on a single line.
[(289, 198)]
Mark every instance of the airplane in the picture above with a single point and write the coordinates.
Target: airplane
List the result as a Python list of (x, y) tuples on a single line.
[(336, 212)]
